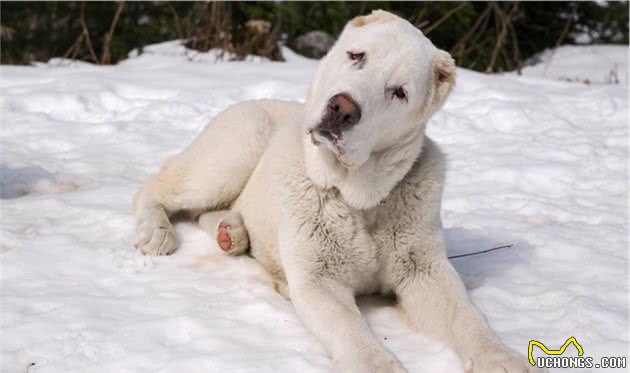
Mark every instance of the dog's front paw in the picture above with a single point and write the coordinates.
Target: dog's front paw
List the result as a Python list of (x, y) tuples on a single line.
[(500, 360), (161, 240), (377, 361)]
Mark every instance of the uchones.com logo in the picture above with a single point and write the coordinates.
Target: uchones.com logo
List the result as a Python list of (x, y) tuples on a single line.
[(558, 358)]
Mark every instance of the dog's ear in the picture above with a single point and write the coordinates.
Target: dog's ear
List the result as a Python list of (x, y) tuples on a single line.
[(377, 16), (444, 72)]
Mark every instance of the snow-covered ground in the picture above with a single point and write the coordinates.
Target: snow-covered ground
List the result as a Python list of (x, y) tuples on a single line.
[(588, 64), (534, 160)]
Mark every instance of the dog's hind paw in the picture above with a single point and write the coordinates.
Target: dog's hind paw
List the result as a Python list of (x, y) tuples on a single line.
[(232, 236)]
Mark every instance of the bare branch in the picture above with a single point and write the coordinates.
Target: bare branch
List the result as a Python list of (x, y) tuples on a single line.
[(417, 18), (563, 34), (75, 47), (107, 39), (178, 26), (502, 34), (448, 14), (516, 49), (88, 40), (482, 33), (482, 17)]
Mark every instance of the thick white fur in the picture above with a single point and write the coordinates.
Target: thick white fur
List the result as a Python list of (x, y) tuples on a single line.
[(332, 221)]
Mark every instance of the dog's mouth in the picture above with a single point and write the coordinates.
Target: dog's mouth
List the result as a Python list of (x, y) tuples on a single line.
[(334, 141), (336, 144)]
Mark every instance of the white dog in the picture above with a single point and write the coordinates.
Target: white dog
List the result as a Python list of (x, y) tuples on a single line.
[(337, 197)]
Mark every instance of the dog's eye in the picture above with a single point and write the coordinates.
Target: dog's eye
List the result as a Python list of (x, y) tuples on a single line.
[(356, 56), (399, 93)]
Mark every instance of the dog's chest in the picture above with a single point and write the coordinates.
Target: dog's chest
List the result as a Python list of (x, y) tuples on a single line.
[(380, 215), (370, 217)]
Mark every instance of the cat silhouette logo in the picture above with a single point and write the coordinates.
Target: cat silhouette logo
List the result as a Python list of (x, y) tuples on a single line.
[(560, 351)]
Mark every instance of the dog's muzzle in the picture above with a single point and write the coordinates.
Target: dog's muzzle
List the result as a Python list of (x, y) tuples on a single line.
[(341, 114)]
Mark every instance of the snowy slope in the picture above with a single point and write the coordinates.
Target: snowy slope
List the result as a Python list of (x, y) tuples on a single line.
[(591, 64), (534, 161)]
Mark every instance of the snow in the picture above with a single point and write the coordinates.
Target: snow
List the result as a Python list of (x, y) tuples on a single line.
[(534, 160), (591, 64)]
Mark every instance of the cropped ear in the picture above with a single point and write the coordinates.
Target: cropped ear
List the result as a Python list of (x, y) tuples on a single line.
[(377, 16), (444, 72)]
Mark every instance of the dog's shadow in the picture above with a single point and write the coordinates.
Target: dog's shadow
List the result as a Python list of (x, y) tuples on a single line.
[(475, 269)]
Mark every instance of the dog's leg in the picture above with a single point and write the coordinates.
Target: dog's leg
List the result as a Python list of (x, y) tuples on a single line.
[(229, 230), (430, 294), (208, 175), (434, 301), (329, 311)]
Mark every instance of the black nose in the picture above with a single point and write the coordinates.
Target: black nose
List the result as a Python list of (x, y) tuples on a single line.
[(341, 113)]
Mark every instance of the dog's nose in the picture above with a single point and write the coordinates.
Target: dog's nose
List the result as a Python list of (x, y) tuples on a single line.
[(342, 113), (345, 109)]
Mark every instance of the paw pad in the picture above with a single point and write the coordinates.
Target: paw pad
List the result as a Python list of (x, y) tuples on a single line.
[(224, 239)]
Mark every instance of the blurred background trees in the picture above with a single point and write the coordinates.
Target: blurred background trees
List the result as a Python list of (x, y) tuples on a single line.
[(485, 36)]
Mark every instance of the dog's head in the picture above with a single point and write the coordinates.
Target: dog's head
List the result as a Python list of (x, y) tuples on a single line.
[(377, 86)]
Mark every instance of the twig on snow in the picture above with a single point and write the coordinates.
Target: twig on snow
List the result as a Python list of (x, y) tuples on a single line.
[(481, 252)]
